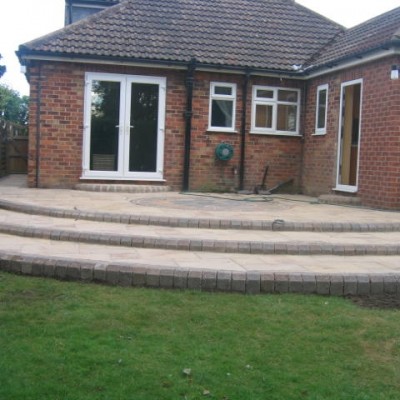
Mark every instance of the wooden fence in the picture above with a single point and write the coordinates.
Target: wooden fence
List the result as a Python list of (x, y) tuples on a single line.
[(13, 148)]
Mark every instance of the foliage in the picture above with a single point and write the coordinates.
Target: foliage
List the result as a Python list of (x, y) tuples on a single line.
[(78, 341), (13, 106), (2, 68)]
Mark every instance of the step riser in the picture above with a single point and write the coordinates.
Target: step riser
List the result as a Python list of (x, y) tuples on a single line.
[(139, 275), (215, 246), (277, 225), (115, 188)]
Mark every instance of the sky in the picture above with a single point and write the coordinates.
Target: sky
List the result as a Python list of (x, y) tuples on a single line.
[(25, 20)]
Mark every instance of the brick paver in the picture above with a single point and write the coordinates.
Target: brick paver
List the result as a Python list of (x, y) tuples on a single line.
[(155, 240)]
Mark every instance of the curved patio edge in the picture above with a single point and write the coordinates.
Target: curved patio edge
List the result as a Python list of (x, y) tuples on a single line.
[(202, 223), (157, 276)]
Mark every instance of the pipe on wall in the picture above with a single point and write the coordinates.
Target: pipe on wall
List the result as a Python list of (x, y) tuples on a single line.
[(243, 130), (38, 113), (189, 82)]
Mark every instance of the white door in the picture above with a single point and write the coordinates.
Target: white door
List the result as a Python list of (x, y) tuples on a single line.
[(349, 137), (124, 127)]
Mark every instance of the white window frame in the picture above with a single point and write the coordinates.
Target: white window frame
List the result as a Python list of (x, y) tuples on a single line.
[(321, 131), (231, 97), (273, 102)]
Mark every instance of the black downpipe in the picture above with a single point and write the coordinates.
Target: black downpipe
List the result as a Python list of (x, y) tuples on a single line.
[(243, 132), (38, 113), (188, 117)]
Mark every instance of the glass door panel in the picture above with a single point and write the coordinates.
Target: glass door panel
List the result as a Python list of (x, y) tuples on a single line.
[(104, 125), (143, 127)]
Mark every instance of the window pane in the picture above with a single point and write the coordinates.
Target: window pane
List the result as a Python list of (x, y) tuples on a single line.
[(104, 126), (265, 94), (287, 118), (221, 113), (321, 109), (226, 91), (288, 95), (144, 128), (263, 116)]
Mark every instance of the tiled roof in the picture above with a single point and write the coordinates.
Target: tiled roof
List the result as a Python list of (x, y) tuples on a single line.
[(264, 34), (379, 32)]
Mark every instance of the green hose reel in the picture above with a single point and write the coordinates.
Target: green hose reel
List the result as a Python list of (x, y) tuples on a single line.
[(224, 151)]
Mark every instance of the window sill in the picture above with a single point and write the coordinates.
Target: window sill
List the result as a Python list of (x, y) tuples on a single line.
[(319, 134), (346, 189), (213, 130), (276, 134)]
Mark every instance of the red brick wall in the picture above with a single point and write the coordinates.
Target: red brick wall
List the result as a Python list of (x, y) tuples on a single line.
[(320, 151), (281, 153), (379, 179), (61, 131), (61, 122), (314, 169), (379, 164)]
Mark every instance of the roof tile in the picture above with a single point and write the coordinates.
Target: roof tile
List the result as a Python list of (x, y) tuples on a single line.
[(265, 34), (376, 33)]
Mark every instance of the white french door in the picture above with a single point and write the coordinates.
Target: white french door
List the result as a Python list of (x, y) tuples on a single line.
[(124, 127)]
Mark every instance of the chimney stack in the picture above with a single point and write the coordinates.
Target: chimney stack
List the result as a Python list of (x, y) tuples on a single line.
[(76, 10)]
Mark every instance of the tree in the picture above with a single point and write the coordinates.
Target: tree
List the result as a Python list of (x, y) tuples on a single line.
[(13, 106), (2, 68)]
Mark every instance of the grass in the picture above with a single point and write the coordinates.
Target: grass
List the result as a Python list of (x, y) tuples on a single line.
[(73, 341)]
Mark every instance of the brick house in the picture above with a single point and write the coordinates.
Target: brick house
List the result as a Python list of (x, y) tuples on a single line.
[(205, 95)]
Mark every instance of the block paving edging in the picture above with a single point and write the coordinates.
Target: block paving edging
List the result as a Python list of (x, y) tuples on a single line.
[(121, 188), (216, 246), (252, 283), (203, 223)]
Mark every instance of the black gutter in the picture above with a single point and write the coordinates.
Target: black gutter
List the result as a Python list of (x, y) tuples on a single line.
[(38, 113), (243, 132), (24, 52), (189, 82)]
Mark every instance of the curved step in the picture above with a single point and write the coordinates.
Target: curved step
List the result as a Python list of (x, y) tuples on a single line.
[(175, 241), (203, 223), (250, 282)]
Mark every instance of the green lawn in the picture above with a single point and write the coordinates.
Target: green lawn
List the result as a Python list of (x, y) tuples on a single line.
[(74, 341)]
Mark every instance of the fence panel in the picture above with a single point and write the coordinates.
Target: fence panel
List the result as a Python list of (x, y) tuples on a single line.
[(13, 148)]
